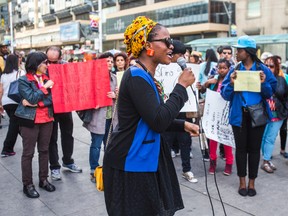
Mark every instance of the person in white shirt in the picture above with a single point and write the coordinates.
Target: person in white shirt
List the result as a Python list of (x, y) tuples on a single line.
[(10, 74)]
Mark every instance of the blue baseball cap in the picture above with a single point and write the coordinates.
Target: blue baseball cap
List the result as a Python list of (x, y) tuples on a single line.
[(245, 42)]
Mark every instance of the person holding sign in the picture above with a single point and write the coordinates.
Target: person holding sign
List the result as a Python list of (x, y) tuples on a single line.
[(215, 84), (279, 108), (138, 171), (101, 119), (247, 138)]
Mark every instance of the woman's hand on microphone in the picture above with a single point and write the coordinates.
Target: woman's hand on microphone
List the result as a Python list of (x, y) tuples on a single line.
[(186, 78)]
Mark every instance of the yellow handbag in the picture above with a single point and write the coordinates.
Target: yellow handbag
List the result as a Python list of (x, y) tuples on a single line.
[(98, 173)]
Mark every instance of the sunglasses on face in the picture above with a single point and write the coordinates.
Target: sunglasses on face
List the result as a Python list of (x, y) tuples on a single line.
[(270, 65), (168, 41), (228, 53)]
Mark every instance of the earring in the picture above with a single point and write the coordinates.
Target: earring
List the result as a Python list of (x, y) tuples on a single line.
[(150, 52)]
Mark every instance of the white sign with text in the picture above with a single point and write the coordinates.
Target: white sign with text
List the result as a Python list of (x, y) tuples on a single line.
[(215, 119), (168, 76)]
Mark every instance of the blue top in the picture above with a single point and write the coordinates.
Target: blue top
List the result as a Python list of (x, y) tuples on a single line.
[(268, 87), (135, 143)]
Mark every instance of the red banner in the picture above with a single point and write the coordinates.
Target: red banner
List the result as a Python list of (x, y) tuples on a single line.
[(80, 86)]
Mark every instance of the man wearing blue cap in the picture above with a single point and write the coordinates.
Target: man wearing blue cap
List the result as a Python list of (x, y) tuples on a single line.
[(247, 138)]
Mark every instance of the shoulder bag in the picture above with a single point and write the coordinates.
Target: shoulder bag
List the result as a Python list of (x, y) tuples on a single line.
[(13, 92), (98, 173), (258, 113)]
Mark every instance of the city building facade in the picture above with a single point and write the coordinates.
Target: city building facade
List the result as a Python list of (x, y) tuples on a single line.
[(66, 23)]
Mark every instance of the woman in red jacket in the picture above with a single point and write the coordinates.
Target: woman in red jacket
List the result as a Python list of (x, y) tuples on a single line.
[(36, 121)]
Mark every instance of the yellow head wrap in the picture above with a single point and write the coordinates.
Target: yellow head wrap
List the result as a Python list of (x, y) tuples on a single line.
[(136, 35)]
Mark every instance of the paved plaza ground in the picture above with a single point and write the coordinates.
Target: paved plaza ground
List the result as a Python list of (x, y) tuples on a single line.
[(75, 195)]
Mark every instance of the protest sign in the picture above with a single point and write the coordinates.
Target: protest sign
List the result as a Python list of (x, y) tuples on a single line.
[(119, 75), (247, 81), (215, 120), (80, 86), (168, 75)]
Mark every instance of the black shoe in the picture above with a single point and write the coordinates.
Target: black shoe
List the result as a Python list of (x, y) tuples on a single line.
[(243, 191), (30, 191), (47, 186), (251, 192)]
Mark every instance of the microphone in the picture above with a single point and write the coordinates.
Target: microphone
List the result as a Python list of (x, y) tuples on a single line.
[(182, 63), (203, 140)]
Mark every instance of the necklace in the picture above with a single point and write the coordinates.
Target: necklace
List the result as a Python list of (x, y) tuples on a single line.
[(158, 84), (143, 66)]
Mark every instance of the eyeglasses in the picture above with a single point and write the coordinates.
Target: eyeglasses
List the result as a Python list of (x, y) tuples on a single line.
[(229, 53), (52, 62), (168, 41), (270, 65)]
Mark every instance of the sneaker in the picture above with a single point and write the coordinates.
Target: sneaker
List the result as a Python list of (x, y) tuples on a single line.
[(189, 176), (55, 174), (7, 154), (173, 154), (266, 167), (72, 168), (228, 170), (273, 167), (191, 155), (92, 178)]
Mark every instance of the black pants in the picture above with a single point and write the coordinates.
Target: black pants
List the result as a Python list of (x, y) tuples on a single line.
[(283, 134), (248, 144), (65, 122), (13, 128), (40, 134), (184, 140)]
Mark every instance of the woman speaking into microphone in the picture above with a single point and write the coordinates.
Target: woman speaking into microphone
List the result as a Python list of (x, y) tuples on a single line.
[(139, 174)]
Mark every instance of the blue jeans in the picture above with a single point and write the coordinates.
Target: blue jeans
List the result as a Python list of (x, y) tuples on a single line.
[(95, 150), (269, 137)]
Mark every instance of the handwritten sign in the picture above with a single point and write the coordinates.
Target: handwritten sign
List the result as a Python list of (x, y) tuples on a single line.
[(168, 75), (215, 119), (80, 86), (247, 81), (119, 75)]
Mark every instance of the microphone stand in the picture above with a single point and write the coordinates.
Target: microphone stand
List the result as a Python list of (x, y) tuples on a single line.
[(203, 139)]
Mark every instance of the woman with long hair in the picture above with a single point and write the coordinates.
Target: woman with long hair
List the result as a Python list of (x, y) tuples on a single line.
[(10, 74), (35, 114), (207, 68), (279, 109)]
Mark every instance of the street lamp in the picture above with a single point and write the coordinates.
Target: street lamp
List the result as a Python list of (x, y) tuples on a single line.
[(229, 14), (11, 25)]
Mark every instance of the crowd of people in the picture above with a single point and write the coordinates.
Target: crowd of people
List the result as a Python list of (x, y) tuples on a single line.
[(149, 130)]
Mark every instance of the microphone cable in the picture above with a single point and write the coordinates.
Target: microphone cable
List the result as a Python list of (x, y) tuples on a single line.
[(204, 146)]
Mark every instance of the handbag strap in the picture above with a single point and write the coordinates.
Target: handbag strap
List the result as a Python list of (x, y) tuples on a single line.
[(18, 74), (111, 125)]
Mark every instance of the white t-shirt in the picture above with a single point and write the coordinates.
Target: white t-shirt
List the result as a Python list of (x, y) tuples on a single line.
[(6, 79)]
